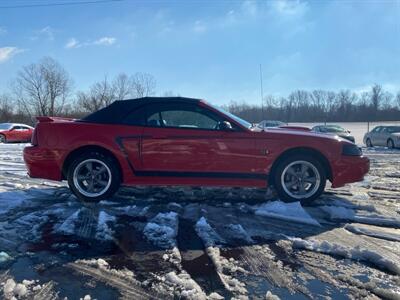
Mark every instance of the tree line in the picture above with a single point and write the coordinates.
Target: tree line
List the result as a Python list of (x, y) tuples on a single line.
[(46, 88), (324, 106)]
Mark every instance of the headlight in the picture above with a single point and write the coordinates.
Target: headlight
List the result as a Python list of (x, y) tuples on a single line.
[(351, 150)]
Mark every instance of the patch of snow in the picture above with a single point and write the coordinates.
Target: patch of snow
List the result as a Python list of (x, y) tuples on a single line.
[(13, 290), (208, 235), (343, 213), (4, 256), (104, 232), (68, 226), (286, 211), (162, 230), (224, 267), (382, 234), (357, 253), (270, 296), (189, 288), (237, 231)]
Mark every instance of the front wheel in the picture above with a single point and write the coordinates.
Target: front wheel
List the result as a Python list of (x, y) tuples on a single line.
[(2, 139), (299, 178), (390, 144), (368, 143), (93, 177)]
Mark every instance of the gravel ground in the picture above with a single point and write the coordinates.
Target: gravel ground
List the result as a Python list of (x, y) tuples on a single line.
[(199, 243)]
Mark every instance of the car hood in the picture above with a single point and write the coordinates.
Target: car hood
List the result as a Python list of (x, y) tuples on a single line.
[(300, 132)]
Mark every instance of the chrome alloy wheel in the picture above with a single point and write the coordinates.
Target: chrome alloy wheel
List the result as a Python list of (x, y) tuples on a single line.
[(92, 177), (300, 179)]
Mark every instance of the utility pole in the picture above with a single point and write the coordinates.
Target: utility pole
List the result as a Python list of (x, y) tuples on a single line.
[(262, 94)]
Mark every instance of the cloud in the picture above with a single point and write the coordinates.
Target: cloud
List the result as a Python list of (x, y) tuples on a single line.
[(46, 32), (3, 31), (289, 7), (105, 41), (199, 27), (73, 43), (7, 53)]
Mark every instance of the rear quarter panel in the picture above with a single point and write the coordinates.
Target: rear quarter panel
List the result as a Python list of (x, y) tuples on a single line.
[(62, 138)]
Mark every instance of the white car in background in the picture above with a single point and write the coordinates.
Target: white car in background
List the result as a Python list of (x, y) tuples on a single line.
[(388, 136)]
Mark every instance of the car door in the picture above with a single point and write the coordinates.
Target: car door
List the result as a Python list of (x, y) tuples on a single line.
[(186, 140), (13, 133), (25, 133), (381, 136), (374, 135)]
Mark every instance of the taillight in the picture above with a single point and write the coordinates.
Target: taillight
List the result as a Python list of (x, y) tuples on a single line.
[(34, 140)]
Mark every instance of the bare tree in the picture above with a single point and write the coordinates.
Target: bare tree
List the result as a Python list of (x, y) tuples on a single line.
[(6, 108), (398, 100), (99, 95), (376, 96), (42, 88), (123, 87), (144, 85)]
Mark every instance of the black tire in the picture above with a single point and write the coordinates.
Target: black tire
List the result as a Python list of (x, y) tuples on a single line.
[(113, 174), (3, 139), (390, 144), (316, 190), (368, 143)]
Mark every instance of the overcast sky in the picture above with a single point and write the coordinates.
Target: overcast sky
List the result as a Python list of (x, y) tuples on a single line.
[(210, 49)]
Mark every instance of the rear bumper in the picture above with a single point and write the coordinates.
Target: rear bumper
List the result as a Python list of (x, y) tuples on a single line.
[(349, 169), (42, 163)]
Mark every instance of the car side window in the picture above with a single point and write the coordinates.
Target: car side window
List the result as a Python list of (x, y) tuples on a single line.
[(178, 115), (135, 117)]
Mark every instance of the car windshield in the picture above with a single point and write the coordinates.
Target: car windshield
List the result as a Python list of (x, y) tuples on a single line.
[(232, 116), (5, 126), (393, 129), (333, 129)]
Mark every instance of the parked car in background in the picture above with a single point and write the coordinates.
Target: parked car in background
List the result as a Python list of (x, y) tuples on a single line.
[(183, 141), (11, 132), (336, 130), (270, 124), (388, 136)]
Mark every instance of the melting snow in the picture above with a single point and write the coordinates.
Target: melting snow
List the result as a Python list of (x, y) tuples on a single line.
[(286, 211), (356, 253), (162, 230), (343, 213), (104, 232)]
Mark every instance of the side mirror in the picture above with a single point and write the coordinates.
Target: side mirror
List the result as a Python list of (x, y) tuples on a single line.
[(348, 131), (225, 126), (12, 129)]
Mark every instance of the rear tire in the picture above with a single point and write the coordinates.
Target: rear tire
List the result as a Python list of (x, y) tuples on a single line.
[(368, 143), (2, 139), (299, 178), (93, 177), (390, 144)]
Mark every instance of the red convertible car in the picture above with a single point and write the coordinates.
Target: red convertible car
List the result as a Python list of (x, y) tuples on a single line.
[(10, 132), (183, 141)]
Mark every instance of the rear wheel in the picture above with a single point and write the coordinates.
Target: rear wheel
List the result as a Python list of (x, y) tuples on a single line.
[(390, 144), (299, 178), (368, 143), (93, 177), (2, 138)]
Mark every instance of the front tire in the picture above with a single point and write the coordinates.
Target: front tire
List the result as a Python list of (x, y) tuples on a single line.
[(93, 177), (368, 143), (390, 144), (2, 139), (299, 178)]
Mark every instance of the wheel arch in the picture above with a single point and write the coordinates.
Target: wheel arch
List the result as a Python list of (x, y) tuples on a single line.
[(301, 150), (84, 149)]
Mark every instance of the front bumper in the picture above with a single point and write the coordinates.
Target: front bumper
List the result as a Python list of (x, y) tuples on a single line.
[(349, 169), (42, 163)]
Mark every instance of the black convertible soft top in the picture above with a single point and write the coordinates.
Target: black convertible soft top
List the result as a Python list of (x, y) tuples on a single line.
[(113, 113)]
